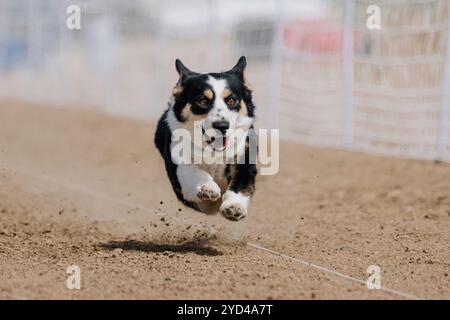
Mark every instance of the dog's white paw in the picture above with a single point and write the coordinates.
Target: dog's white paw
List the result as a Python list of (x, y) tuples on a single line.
[(209, 191), (233, 211)]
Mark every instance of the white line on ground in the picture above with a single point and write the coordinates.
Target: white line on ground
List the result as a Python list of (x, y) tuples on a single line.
[(97, 194), (330, 271)]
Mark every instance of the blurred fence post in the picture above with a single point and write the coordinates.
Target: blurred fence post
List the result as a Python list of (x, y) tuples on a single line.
[(161, 59), (109, 52), (444, 114), (32, 47), (4, 30), (273, 108), (65, 78), (215, 40), (348, 55)]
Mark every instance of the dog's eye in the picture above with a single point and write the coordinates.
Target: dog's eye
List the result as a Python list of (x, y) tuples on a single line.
[(202, 101), (231, 102)]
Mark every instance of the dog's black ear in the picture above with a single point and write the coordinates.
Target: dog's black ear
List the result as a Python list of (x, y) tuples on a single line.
[(239, 67), (182, 70)]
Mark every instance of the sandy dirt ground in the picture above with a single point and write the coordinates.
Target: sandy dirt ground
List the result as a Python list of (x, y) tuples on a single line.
[(87, 189)]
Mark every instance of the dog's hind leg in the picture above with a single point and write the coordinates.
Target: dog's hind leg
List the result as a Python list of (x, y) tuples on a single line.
[(197, 185)]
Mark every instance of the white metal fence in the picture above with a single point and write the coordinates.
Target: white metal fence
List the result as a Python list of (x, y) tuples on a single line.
[(319, 73)]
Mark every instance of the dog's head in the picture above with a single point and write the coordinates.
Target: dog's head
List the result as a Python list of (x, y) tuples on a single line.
[(220, 102)]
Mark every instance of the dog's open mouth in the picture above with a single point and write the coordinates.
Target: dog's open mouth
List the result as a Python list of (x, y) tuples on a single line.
[(217, 142)]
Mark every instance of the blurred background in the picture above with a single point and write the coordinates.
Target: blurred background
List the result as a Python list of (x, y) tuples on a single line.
[(319, 73)]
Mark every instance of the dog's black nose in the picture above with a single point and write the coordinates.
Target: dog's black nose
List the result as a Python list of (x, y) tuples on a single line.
[(222, 126)]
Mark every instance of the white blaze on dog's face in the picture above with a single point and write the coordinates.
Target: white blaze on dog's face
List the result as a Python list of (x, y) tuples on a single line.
[(221, 102)]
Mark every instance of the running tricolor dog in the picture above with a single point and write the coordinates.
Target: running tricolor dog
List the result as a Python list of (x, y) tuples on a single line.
[(218, 103)]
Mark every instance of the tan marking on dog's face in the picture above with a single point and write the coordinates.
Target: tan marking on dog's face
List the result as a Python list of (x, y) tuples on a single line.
[(186, 113), (208, 94), (243, 111), (177, 90), (226, 93), (189, 116)]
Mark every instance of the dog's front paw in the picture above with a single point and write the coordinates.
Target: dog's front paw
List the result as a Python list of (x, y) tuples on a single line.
[(233, 211), (209, 191)]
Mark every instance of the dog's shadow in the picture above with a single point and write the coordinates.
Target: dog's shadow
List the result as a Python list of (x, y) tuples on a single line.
[(197, 247)]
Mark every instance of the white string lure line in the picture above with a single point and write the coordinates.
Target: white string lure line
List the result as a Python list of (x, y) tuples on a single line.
[(129, 204), (330, 271)]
